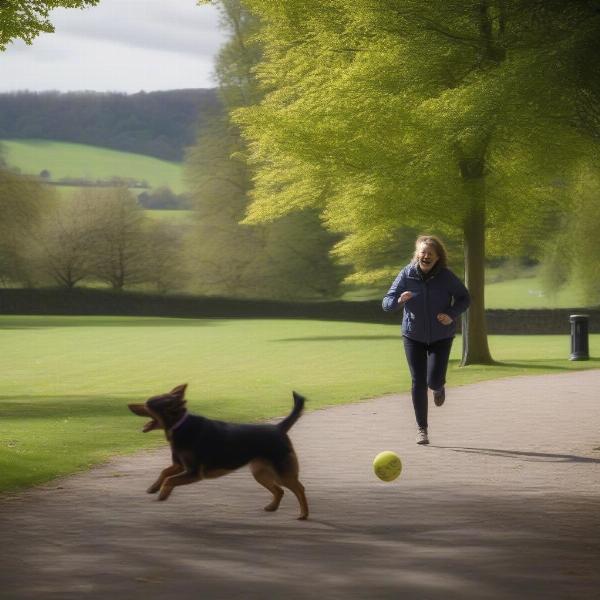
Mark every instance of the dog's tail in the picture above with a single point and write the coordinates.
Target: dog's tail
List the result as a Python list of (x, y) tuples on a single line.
[(287, 423)]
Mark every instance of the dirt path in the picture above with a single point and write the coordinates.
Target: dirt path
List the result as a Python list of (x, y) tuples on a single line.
[(503, 504)]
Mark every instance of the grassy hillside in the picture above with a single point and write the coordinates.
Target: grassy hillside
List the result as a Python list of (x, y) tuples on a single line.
[(159, 123), (76, 160)]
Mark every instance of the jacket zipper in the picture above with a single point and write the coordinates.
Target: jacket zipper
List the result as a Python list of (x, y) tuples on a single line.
[(426, 315)]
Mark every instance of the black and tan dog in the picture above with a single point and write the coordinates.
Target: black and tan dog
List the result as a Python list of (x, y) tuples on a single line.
[(204, 448)]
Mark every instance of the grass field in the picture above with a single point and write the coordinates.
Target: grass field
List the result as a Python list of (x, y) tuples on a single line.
[(528, 292), (67, 380), (64, 159), (523, 292)]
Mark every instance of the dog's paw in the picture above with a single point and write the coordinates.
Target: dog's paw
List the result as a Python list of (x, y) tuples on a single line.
[(153, 488), (165, 492), (303, 517)]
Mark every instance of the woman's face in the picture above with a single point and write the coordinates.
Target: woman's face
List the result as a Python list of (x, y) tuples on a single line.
[(427, 257)]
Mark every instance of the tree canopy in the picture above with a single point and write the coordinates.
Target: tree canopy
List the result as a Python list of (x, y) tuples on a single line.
[(26, 19), (459, 117), (24, 202), (288, 258)]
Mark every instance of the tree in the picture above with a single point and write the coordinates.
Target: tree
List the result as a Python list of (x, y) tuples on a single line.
[(585, 243), (221, 249), (23, 202), (104, 234), (572, 254), (288, 258), (26, 19), (64, 242), (454, 117), (118, 242), (285, 259)]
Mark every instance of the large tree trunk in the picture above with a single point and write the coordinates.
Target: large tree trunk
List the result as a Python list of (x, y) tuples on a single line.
[(472, 168), (475, 344)]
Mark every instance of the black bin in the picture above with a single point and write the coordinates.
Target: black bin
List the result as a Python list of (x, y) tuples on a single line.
[(580, 349)]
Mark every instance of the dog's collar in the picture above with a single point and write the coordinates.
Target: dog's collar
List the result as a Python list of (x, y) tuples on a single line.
[(180, 422)]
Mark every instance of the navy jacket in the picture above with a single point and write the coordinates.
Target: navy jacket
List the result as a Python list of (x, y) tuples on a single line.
[(441, 292)]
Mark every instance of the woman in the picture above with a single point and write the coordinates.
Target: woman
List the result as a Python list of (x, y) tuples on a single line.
[(432, 297)]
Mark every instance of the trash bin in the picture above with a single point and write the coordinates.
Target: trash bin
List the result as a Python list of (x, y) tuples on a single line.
[(579, 337)]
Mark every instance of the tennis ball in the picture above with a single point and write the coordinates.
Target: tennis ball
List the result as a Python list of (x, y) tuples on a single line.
[(387, 465)]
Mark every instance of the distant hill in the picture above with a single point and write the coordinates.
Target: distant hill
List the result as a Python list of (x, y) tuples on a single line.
[(64, 160), (159, 124)]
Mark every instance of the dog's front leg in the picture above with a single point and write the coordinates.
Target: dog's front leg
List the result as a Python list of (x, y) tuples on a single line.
[(181, 479), (172, 470)]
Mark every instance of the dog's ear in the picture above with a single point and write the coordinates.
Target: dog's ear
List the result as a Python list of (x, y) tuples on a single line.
[(179, 391)]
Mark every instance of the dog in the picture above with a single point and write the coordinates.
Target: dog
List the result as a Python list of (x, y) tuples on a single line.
[(203, 448)]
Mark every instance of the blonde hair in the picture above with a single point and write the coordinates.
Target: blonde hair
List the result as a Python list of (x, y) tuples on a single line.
[(436, 244)]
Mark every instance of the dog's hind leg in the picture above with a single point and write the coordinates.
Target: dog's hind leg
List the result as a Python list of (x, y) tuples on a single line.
[(288, 477), (172, 470), (265, 475), (298, 489)]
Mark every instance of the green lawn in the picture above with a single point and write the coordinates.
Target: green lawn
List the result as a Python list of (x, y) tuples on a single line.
[(528, 292), (523, 292), (67, 380), (64, 159)]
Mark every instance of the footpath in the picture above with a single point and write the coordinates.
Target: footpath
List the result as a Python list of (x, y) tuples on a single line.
[(504, 503)]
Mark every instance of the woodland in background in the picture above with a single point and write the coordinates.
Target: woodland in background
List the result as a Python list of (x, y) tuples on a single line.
[(98, 236), (159, 124)]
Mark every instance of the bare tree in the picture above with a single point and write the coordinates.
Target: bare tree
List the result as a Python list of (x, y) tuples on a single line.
[(118, 239), (64, 243), (23, 202)]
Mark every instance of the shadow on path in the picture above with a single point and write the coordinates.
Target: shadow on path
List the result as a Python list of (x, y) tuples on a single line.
[(532, 456), (383, 546)]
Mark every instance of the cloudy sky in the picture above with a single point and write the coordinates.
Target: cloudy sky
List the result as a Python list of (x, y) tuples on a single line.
[(119, 45)]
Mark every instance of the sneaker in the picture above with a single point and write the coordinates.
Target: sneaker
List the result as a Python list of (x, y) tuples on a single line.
[(422, 436), (439, 396)]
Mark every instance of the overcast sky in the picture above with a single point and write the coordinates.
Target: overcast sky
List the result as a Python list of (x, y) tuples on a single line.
[(119, 45)]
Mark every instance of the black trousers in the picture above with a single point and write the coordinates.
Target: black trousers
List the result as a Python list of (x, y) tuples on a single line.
[(428, 364)]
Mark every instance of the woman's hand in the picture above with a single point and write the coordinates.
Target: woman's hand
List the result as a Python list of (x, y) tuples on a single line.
[(444, 319), (405, 297)]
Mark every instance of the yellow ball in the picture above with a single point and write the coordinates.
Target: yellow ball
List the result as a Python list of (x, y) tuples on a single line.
[(387, 465)]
